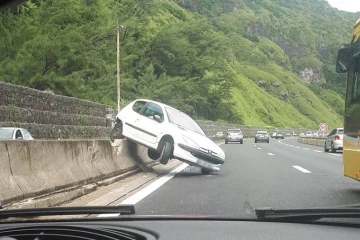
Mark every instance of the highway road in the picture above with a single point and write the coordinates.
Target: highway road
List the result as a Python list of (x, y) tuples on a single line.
[(281, 174)]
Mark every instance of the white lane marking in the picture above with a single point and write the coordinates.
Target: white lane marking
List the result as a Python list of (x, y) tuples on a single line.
[(318, 151), (301, 169), (290, 145), (254, 145), (334, 154), (297, 147), (307, 149), (137, 197), (259, 148), (271, 154)]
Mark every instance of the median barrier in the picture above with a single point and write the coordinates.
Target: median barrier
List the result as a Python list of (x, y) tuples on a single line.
[(316, 141), (32, 168)]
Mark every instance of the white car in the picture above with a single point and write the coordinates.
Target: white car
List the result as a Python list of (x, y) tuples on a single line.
[(168, 134), (10, 133)]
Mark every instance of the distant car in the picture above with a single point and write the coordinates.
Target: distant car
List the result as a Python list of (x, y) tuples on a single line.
[(219, 134), (168, 134), (334, 140), (273, 135), (10, 133), (308, 134), (279, 135), (262, 136), (234, 135), (288, 134)]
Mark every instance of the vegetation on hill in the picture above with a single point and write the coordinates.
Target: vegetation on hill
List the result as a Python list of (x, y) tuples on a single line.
[(224, 60)]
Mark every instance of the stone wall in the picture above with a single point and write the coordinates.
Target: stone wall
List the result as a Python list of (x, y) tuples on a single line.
[(50, 116)]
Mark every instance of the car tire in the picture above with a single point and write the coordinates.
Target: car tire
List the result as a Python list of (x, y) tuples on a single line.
[(325, 148), (226, 142), (206, 171), (332, 149), (153, 154), (116, 132), (242, 141), (255, 141), (166, 152), (268, 141)]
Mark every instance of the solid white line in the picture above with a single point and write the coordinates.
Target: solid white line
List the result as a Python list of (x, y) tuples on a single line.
[(259, 148), (318, 151), (271, 154), (137, 197), (306, 149), (301, 169)]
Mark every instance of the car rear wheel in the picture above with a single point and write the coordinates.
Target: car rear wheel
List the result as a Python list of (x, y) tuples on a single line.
[(267, 141), (166, 152), (333, 150), (242, 141), (325, 148), (226, 142), (255, 141), (206, 171), (116, 132)]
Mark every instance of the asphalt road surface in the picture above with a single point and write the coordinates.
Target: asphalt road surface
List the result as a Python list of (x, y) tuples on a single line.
[(281, 174)]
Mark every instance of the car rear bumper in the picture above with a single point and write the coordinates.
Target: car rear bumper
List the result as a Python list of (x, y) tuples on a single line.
[(196, 157), (338, 145), (261, 139), (233, 139)]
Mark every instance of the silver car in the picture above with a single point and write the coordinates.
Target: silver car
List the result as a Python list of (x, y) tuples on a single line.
[(334, 141), (262, 136), (234, 135), (10, 133)]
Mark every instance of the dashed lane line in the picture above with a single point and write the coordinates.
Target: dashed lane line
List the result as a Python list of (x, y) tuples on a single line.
[(301, 169)]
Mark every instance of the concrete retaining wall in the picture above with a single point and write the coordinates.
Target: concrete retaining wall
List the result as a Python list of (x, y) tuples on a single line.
[(30, 168), (312, 141)]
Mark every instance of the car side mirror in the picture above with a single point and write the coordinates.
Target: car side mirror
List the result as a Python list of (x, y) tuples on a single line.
[(19, 138), (343, 58), (157, 118)]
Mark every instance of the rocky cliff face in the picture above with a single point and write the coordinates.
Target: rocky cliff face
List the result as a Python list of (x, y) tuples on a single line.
[(310, 75)]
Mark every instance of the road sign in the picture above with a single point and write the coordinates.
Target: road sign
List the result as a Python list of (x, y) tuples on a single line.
[(323, 127)]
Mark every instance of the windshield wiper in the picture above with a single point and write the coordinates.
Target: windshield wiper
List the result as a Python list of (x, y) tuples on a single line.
[(311, 214), (53, 211)]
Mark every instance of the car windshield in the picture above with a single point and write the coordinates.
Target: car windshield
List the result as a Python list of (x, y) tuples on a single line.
[(180, 118), (162, 102), (6, 133)]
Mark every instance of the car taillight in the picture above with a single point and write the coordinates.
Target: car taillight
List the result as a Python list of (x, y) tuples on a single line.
[(337, 137)]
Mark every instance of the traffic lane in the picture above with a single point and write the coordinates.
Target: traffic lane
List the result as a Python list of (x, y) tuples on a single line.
[(249, 179), (319, 162)]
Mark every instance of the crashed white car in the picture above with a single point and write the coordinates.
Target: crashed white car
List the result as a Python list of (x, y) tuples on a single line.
[(168, 134)]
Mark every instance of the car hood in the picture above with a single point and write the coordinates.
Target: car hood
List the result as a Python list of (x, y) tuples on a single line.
[(203, 142)]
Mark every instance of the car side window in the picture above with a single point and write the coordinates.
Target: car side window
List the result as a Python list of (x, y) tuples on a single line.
[(18, 134), (152, 109), (332, 132), (138, 106), (26, 134)]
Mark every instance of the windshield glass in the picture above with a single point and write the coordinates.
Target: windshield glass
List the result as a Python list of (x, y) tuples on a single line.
[(131, 92), (180, 118), (6, 133)]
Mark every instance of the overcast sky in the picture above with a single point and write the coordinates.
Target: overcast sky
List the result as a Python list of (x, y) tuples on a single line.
[(346, 5)]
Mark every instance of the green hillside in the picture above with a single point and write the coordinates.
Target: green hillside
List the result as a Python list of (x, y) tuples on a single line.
[(224, 60)]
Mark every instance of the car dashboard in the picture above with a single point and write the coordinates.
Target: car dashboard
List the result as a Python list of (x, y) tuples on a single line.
[(119, 228)]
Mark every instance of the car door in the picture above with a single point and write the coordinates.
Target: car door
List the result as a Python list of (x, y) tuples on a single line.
[(149, 128), (131, 127)]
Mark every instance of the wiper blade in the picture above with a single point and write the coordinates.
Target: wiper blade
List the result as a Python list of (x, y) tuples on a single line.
[(53, 211), (311, 214)]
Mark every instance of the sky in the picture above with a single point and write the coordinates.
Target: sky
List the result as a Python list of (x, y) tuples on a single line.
[(346, 5)]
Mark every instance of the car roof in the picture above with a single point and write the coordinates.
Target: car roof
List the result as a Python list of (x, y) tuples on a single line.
[(9, 128), (158, 103)]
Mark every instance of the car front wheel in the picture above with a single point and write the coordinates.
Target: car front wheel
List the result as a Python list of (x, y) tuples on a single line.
[(325, 148), (166, 152)]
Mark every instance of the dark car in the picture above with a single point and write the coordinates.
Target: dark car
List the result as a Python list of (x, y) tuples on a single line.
[(262, 136)]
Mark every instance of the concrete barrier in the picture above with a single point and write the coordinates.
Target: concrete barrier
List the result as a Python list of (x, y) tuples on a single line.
[(312, 141), (31, 168)]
